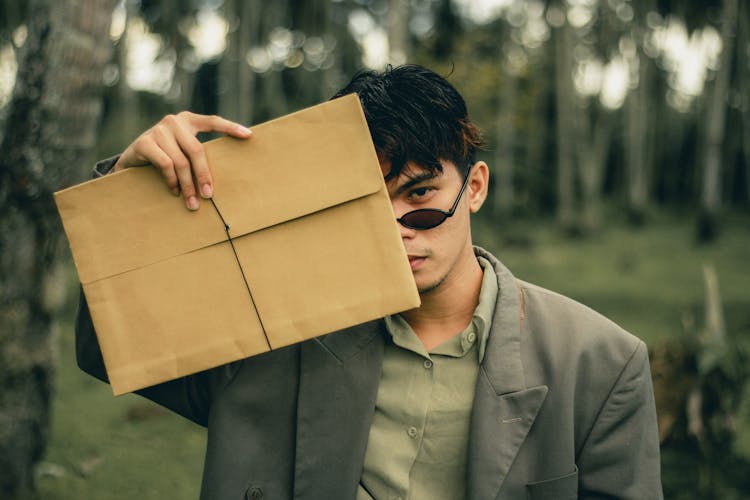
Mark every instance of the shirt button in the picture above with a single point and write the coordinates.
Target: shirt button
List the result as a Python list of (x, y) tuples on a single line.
[(427, 363), (471, 337), (412, 432), (254, 493)]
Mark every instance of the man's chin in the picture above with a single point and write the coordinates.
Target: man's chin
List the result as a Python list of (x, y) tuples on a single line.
[(427, 288)]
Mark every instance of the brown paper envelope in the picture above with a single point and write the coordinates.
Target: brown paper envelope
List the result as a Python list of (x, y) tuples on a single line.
[(208, 317), (128, 220), (317, 288), (314, 248)]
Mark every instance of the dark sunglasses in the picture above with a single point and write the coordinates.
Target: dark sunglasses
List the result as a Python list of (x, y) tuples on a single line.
[(427, 218)]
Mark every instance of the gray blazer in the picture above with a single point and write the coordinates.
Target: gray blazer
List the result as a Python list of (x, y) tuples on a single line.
[(563, 408)]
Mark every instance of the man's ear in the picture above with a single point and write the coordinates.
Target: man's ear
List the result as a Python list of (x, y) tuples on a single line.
[(479, 183)]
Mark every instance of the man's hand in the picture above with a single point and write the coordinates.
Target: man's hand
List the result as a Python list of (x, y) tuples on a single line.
[(172, 147)]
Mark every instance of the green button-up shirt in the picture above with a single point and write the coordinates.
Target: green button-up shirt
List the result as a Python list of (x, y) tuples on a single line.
[(417, 448)]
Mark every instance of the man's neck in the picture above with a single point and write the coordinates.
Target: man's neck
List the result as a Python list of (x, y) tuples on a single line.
[(449, 308)]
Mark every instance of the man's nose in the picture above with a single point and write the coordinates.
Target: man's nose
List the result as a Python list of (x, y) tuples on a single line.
[(406, 233)]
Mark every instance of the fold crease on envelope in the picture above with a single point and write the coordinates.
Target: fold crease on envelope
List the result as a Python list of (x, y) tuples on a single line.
[(310, 243)]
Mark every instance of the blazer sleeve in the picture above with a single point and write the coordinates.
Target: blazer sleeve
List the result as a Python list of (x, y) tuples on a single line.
[(189, 396), (103, 167), (620, 457)]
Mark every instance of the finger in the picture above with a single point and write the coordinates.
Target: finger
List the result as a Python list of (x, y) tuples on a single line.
[(214, 123), (165, 165), (148, 150), (196, 153), (167, 142), (130, 157)]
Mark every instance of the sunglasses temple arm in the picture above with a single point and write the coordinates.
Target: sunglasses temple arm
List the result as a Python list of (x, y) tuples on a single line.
[(460, 194)]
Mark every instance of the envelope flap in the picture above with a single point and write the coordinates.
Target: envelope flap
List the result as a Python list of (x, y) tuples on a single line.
[(294, 166), (127, 220)]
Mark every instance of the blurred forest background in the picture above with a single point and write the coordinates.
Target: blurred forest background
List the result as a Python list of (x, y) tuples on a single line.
[(619, 135)]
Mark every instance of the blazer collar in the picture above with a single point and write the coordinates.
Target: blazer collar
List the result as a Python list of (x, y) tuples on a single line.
[(339, 376), (503, 366), (504, 407)]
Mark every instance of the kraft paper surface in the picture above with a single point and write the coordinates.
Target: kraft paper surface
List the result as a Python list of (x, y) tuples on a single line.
[(299, 240)]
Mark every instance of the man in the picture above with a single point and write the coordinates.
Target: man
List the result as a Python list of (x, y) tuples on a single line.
[(492, 389)]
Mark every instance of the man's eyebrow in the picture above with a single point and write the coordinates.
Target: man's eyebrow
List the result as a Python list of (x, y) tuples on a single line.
[(414, 180)]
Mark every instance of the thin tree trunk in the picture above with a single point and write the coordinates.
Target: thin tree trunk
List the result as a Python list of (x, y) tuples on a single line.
[(715, 120), (127, 99), (277, 97), (228, 67), (565, 124), (237, 86), (399, 45), (329, 85), (181, 91), (311, 83), (743, 40), (248, 33), (593, 166), (538, 122), (505, 138), (637, 131), (50, 127)]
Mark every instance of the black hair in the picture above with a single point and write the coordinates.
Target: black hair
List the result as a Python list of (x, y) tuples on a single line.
[(415, 115)]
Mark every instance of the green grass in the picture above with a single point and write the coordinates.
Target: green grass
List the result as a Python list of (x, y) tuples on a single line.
[(108, 448), (650, 281)]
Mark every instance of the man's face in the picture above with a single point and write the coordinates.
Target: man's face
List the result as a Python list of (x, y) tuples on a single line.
[(433, 253)]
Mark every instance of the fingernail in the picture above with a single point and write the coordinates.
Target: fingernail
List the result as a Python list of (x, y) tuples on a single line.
[(175, 191), (192, 203), (206, 190), (244, 131)]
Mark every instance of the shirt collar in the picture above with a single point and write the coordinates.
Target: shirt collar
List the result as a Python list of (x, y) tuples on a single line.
[(476, 332), (486, 307)]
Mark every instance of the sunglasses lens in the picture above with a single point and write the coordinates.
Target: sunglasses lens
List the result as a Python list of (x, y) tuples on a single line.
[(423, 219)]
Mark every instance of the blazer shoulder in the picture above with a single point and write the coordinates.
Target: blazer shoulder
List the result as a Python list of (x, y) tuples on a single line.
[(559, 324)]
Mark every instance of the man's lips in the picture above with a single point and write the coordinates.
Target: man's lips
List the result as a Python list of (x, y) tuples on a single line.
[(415, 261)]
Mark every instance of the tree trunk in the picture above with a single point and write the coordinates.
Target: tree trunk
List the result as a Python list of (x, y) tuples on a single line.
[(271, 98), (312, 82), (237, 85), (505, 134), (539, 127), (593, 165), (228, 69), (715, 122), (565, 96), (183, 81), (637, 132), (744, 83), (126, 103), (50, 127), (399, 44), (248, 33)]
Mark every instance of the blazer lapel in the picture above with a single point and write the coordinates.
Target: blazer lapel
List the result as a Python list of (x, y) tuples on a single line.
[(339, 376), (504, 408), (498, 431)]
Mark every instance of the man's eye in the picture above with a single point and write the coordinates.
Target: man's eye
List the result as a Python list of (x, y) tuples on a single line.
[(419, 192)]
